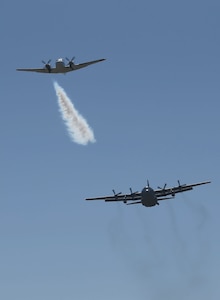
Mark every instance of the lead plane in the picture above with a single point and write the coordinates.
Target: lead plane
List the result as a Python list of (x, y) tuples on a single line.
[(60, 66), (148, 196)]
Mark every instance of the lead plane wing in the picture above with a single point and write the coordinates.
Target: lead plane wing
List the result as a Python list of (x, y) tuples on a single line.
[(42, 70), (85, 64), (60, 66)]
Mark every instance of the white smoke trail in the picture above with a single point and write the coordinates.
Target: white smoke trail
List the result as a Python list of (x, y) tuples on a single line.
[(78, 128)]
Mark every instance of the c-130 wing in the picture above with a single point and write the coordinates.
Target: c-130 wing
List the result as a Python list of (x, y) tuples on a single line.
[(177, 189)]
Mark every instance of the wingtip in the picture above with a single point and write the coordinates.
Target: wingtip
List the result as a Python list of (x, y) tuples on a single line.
[(203, 182), (206, 182)]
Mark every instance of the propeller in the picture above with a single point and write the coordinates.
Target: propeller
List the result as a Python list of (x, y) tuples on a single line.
[(163, 187), (116, 195), (133, 194), (171, 190), (47, 65), (47, 62), (180, 185), (71, 62)]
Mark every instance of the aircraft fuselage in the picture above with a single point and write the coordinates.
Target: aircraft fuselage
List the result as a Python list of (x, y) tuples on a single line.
[(148, 197), (60, 66)]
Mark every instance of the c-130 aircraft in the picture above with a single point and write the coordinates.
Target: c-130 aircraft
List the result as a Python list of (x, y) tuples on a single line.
[(148, 196)]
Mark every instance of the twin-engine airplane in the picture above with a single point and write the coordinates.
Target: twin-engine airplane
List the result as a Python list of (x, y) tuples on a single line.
[(61, 67), (149, 197)]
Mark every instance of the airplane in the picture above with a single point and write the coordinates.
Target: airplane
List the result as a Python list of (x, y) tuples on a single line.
[(148, 196), (61, 67)]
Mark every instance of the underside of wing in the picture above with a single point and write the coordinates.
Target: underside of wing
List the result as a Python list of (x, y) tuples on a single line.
[(121, 197), (42, 70), (176, 189), (86, 64)]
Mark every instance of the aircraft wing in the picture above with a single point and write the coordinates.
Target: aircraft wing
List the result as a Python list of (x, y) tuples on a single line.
[(119, 197), (86, 64), (42, 70), (161, 193)]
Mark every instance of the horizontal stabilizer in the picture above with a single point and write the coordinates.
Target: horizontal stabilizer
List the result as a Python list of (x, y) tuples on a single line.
[(138, 202)]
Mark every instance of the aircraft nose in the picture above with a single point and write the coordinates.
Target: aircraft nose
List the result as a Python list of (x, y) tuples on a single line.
[(144, 189)]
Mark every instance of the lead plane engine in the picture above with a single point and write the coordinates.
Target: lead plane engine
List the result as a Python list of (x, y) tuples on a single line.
[(47, 65), (71, 62)]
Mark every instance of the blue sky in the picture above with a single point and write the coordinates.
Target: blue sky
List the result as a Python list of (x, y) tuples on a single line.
[(154, 108)]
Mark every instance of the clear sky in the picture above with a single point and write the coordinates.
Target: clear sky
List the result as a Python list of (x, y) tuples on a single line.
[(154, 108)]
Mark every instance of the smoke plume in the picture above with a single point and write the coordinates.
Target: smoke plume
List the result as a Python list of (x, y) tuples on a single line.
[(77, 126)]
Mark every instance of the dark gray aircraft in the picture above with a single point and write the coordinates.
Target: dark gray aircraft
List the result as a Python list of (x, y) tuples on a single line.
[(61, 67), (148, 196)]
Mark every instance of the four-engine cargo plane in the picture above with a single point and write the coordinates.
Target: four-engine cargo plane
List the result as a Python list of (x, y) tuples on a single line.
[(148, 196), (61, 67)]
